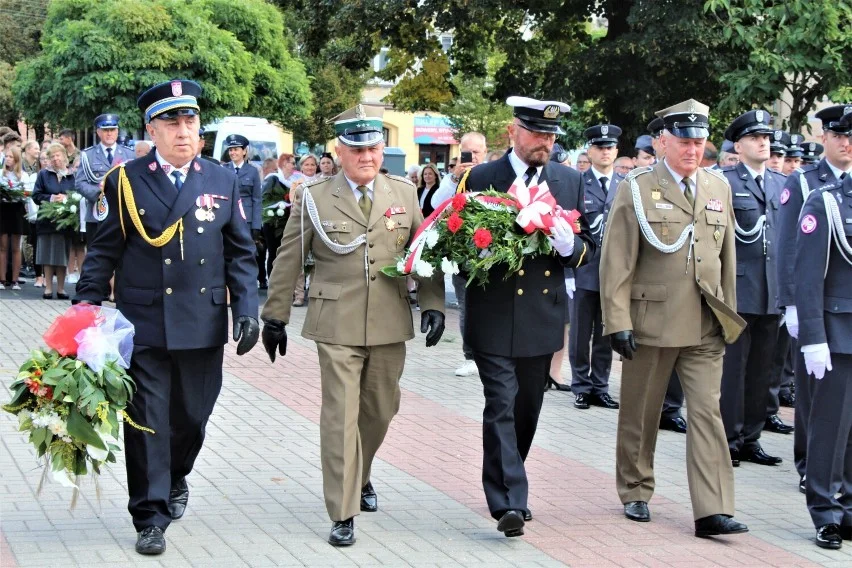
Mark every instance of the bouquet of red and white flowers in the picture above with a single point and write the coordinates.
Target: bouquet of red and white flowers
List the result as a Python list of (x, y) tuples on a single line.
[(68, 399), (473, 232), (12, 192)]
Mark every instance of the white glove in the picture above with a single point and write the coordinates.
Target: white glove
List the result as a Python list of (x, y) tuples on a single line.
[(817, 359), (570, 287), (562, 237), (791, 319)]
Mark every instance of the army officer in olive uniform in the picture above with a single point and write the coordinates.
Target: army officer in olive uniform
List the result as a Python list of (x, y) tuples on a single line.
[(175, 236), (354, 224), (668, 290)]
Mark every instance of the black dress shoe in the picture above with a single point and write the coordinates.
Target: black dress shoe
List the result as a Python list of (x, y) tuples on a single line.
[(151, 541), (787, 399), (846, 532), (758, 456), (637, 511), (775, 424), (735, 458), (603, 400), (676, 424), (718, 524), (342, 532), (527, 515), (178, 498), (581, 401), (802, 488), (511, 523), (369, 500), (828, 536), (558, 386)]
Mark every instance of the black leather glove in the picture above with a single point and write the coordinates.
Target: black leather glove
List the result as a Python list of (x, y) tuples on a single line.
[(255, 234), (623, 343), (435, 320), (274, 337), (246, 331)]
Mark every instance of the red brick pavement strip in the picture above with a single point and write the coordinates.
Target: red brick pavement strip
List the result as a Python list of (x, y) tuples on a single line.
[(7, 559), (579, 522)]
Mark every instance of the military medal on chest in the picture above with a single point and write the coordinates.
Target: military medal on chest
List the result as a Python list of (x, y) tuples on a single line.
[(206, 204)]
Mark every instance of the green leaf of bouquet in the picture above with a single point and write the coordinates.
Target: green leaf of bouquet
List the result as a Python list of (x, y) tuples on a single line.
[(81, 430), (391, 271), (19, 397)]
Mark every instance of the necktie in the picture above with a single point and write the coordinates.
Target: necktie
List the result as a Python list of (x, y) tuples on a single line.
[(843, 176), (178, 181), (687, 192), (109, 155), (365, 203), (236, 170), (759, 181), (529, 175), (604, 186)]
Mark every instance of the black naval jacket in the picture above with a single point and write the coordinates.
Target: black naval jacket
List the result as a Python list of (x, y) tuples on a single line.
[(824, 300), (523, 316), (757, 288), (174, 303), (792, 200), (596, 203), (248, 181)]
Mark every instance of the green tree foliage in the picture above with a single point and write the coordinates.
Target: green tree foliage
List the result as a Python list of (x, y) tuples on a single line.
[(798, 48), (100, 56), (20, 32), (335, 89), (8, 114)]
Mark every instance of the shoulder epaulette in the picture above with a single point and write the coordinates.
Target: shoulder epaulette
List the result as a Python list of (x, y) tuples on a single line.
[(317, 182), (830, 186), (807, 168), (725, 169), (636, 172), (718, 174), (401, 178), (112, 169)]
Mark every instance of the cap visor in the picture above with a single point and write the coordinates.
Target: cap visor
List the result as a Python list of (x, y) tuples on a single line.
[(690, 132), (176, 112), (361, 138), (757, 129), (549, 128)]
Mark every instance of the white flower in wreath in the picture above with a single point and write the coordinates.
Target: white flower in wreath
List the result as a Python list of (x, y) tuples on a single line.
[(76, 196), (280, 212), (449, 266), (58, 428), (400, 267), (431, 238), (485, 253), (270, 213), (73, 209), (423, 268)]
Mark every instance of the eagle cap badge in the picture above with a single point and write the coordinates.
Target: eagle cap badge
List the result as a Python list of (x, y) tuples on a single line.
[(550, 111), (758, 115), (604, 130), (177, 89), (778, 135)]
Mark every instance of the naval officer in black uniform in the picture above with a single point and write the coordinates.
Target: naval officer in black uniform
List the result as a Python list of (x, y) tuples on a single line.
[(589, 350), (176, 237), (514, 324)]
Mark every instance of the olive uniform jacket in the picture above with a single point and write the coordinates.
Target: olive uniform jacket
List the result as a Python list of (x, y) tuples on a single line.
[(351, 301), (659, 295)]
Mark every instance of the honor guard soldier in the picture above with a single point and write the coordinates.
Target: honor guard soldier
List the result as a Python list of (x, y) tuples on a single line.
[(746, 372), (354, 224), (836, 163), (777, 150), (668, 288), (823, 297), (589, 351), (792, 153), (95, 162), (175, 235), (811, 152), (515, 322)]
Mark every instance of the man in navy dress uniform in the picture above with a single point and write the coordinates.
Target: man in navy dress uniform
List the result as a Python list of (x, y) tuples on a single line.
[(823, 298), (515, 323), (589, 350), (176, 237), (747, 367), (95, 162), (836, 164)]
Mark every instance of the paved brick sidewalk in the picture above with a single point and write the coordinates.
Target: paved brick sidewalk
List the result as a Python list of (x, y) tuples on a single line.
[(256, 492)]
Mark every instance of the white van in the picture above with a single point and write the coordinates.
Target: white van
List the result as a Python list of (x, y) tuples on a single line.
[(266, 139)]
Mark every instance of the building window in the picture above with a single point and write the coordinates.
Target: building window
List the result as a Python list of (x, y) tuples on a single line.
[(380, 61), (446, 42)]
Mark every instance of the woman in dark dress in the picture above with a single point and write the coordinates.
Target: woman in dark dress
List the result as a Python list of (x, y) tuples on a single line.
[(53, 184), (430, 180)]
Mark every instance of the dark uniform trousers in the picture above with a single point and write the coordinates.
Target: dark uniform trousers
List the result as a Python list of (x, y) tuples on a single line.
[(589, 350), (781, 377), (802, 414), (699, 368), (175, 395), (746, 378)]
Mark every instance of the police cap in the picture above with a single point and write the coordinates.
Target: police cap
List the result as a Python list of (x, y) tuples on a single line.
[(751, 122), (656, 126), (106, 121), (688, 119), (236, 141), (171, 99), (831, 118), (538, 116), (776, 142), (360, 126), (728, 147), (811, 151), (794, 148), (603, 135), (645, 143)]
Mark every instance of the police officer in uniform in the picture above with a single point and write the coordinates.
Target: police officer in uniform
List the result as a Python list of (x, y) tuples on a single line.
[(589, 351), (175, 236), (668, 288), (354, 224), (811, 152), (248, 180), (777, 150), (823, 299), (746, 372), (95, 162), (515, 323), (792, 153), (836, 163)]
